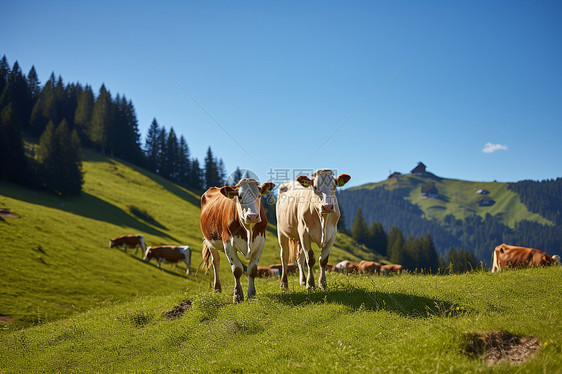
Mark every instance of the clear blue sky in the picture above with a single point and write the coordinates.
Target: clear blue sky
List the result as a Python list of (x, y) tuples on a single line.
[(282, 77)]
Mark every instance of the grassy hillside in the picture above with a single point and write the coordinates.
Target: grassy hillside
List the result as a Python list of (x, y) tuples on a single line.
[(409, 323), (459, 198), (56, 260)]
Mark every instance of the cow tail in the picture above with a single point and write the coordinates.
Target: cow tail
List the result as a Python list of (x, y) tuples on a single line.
[(207, 257)]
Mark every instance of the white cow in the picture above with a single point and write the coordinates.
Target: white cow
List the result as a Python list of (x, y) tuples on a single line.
[(307, 212)]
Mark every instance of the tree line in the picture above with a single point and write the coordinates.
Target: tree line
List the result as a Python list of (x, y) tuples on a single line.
[(479, 235), (62, 118)]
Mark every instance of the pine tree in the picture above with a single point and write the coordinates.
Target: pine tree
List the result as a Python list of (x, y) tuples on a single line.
[(83, 115), (359, 230), (59, 154), (212, 178), (377, 238), (44, 110), (184, 163), (236, 177), (4, 73), (430, 260), (12, 156), (222, 173), (396, 249), (171, 156), (151, 145), (102, 121), (197, 176), (33, 84), (16, 92), (162, 141)]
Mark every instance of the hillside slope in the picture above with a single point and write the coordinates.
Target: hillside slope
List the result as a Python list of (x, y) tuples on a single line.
[(361, 324), (56, 258)]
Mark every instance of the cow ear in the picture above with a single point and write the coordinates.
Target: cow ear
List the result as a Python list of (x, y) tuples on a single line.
[(343, 179), (304, 181), (266, 188), (229, 192)]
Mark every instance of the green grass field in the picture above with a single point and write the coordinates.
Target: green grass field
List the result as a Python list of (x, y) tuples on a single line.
[(408, 323), (56, 259)]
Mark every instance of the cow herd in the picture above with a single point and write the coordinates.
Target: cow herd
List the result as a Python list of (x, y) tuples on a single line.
[(233, 221), (167, 253)]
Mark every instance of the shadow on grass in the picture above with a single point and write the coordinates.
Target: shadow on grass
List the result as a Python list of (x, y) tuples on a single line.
[(356, 298), (86, 205)]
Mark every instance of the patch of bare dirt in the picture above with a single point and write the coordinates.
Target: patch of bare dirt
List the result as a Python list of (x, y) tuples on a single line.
[(496, 347), (6, 319), (177, 311), (7, 213)]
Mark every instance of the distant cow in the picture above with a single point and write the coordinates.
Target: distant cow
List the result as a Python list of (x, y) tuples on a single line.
[(128, 241), (347, 267), (391, 268), (291, 268), (170, 254), (509, 256), (264, 272), (308, 212), (370, 267), (233, 220)]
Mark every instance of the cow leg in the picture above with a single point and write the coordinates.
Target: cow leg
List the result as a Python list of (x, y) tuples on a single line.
[(324, 255), (160, 263), (237, 270), (252, 272), (186, 265), (301, 261), (310, 260), (216, 262), (284, 244)]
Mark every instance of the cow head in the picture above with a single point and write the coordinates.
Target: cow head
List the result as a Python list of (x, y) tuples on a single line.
[(557, 259), (324, 185), (148, 254), (247, 196), (111, 244)]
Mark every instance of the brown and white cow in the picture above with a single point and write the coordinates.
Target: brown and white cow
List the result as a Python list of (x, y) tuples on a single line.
[(169, 253), (509, 256), (347, 267), (128, 241), (233, 220), (369, 267), (307, 212), (391, 268)]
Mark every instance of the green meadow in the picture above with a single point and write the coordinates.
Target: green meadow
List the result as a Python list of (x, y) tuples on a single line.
[(69, 303)]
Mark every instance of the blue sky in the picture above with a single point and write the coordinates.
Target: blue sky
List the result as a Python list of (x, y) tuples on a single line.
[(283, 78)]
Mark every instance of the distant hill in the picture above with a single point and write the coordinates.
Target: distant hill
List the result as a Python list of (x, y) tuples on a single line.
[(471, 215), (55, 253)]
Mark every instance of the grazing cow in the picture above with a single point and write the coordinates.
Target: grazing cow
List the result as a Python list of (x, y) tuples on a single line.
[(391, 268), (291, 268), (370, 267), (128, 241), (509, 256), (264, 272), (308, 211), (329, 267), (347, 267), (233, 220), (170, 254)]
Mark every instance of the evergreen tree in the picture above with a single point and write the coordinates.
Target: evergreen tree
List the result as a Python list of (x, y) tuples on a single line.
[(44, 110), (151, 148), (212, 178), (12, 156), (16, 93), (221, 169), (171, 156), (359, 230), (33, 84), (59, 154), (341, 222), (429, 258), (197, 176), (4, 73), (83, 114), (377, 239), (184, 164), (102, 121), (396, 249), (236, 176), (162, 141)]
